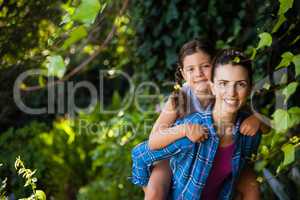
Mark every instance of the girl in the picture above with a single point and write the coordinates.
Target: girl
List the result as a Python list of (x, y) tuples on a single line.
[(194, 65)]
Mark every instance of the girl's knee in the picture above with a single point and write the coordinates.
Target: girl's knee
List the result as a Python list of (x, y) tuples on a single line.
[(156, 192)]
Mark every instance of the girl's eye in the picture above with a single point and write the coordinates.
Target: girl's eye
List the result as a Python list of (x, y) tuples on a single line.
[(206, 66), (190, 69)]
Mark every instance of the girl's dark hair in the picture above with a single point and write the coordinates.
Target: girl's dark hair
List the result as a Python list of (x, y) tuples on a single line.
[(233, 57), (178, 97)]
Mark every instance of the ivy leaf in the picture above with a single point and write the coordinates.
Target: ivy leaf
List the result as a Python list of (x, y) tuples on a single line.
[(294, 113), (40, 195), (254, 52), (295, 40), (116, 100), (172, 13), (56, 66), (260, 165), (285, 5), (289, 154), (265, 40), (75, 36), (87, 11), (296, 61), (280, 120), (287, 58), (236, 59), (279, 22), (289, 90)]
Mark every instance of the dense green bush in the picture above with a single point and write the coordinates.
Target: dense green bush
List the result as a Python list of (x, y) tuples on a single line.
[(87, 156)]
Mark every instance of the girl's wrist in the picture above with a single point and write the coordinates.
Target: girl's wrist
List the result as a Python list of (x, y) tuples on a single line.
[(182, 130)]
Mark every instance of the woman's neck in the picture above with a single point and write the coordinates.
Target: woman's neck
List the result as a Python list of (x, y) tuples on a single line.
[(221, 117), (224, 124)]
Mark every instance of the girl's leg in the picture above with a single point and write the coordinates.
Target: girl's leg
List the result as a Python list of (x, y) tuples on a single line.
[(247, 186), (159, 182)]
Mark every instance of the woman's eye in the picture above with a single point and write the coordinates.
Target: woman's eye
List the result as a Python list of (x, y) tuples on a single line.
[(190, 69), (222, 84), (206, 66), (243, 85)]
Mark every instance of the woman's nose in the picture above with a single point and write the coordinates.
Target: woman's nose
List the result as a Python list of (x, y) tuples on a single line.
[(231, 90)]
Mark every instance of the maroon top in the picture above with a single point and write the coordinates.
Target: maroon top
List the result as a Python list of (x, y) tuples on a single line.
[(221, 169)]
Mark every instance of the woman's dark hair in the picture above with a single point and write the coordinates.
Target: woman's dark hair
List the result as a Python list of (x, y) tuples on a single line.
[(233, 57), (178, 97)]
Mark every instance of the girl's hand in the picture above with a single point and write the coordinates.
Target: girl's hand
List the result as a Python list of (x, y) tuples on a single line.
[(250, 126), (195, 132)]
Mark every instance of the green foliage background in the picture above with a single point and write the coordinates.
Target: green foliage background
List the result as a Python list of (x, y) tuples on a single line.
[(75, 161)]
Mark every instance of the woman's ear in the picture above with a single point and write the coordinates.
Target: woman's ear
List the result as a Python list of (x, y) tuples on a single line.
[(212, 87)]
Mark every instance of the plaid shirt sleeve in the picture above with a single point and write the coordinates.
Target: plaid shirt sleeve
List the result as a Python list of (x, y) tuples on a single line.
[(143, 158), (250, 145)]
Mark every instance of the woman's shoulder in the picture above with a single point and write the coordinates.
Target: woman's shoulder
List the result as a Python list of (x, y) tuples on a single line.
[(195, 118)]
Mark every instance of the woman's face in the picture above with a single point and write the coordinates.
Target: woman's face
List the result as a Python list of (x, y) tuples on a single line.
[(197, 71), (231, 87)]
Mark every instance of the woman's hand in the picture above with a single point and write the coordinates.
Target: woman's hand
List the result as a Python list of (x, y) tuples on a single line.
[(195, 132), (250, 126)]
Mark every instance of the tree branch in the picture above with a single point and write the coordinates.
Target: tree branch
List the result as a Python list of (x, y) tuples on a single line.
[(81, 66)]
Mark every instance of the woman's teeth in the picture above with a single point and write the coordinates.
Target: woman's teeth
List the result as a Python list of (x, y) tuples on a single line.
[(232, 102)]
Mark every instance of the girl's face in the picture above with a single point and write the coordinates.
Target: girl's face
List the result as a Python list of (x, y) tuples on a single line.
[(231, 87), (196, 72)]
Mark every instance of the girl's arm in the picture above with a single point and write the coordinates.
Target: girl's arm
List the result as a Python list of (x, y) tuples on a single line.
[(252, 125), (163, 134)]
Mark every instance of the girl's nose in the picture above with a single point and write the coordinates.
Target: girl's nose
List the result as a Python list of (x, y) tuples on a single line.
[(199, 71)]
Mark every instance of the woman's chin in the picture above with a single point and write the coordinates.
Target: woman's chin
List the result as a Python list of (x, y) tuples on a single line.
[(231, 109)]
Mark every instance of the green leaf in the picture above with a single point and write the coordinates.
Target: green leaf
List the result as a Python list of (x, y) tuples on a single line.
[(267, 86), (296, 61), (253, 53), (260, 165), (285, 5), (265, 151), (236, 59), (265, 40), (116, 100), (87, 11), (287, 58), (289, 154), (56, 66), (279, 22), (40, 195), (172, 12), (77, 34), (280, 120), (295, 40), (294, 113), (289, 90)]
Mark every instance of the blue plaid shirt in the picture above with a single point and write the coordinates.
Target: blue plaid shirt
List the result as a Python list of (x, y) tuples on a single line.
[(191, 162)]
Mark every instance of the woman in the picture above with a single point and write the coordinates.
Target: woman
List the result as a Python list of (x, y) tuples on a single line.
[(194, 68), (196, 166)]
